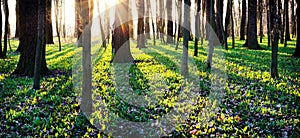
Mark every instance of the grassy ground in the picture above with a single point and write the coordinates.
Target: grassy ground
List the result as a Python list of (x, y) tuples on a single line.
[(253, 104)]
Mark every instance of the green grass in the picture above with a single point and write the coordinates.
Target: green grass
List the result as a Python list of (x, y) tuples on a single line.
[(254, 104)]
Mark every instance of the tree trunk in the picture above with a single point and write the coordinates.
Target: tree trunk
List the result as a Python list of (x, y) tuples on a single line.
[(49, 31), (85, 42), (232, 22), (28, 39), (243, 22), (147, 19), (268, 24), (275, 36), (219, 21), (6, 26), (280, 27), (141, 24), (297, 50), (57, 25), (293, 25), (17, 19), (261, 9), (1, 52), (197, 27), (169, 22), (130, 22), (40, 43), (287, 21), (186, 33), (179, 34), (210, 9), (121, 43), (252, 42)]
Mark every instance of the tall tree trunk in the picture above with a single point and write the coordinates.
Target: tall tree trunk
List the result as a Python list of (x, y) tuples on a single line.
[(280, 27), (251, 41), (232, 22), (274, 72), (141, 24), (293, 25), (210, 12), (268, 23), (228, 18), (57, 25), (147, 19), (49, 30), (179, 34), (169, 22), (1, 52), (121, 43), (186, 33), (103, 33), (297, 50), (243, 22), (6, 26), (197, 27), (219, 21), (40, 43), (17, 19), (85, 42), (261, 9), (130, 22), (28, 39), (287, 20)]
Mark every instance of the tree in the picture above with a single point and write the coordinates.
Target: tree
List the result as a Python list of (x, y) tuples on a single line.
[(169, 22), (293, 25), (210, 31), (275, 36), (131, 28), (49, 31), (1, 52), (28, 39), (121, 43), (147, 19), (243, 21), (287, 21), (40, 43), (17, 19), (197, 27), (6, 26), (261, 9), (141, 24), (186, 33), (179, 30), (251, 41), (297, 50), (220, 29), (57, 25)]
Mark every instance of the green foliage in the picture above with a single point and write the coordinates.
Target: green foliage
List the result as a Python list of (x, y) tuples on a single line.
[(255, 105)]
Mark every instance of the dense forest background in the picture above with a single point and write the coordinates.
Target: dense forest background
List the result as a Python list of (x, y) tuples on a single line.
[(235, 62)]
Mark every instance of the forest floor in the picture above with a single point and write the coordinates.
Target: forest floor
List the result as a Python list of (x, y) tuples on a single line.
[(253, 103)]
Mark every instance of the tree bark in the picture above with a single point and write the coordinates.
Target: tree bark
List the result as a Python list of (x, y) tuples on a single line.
[(2, 56), (141, 24), (261, 9), (293, 24), (243, 21), (40, 43), (49, 30), (274, 72), (179, 34), (6, 26), (169, 22), (147, 19), (57, 25), (297, 50), (186, 33), (17, 19), (251, 41), (197, 27), (287, 21), (121, 43), (28, 39)]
